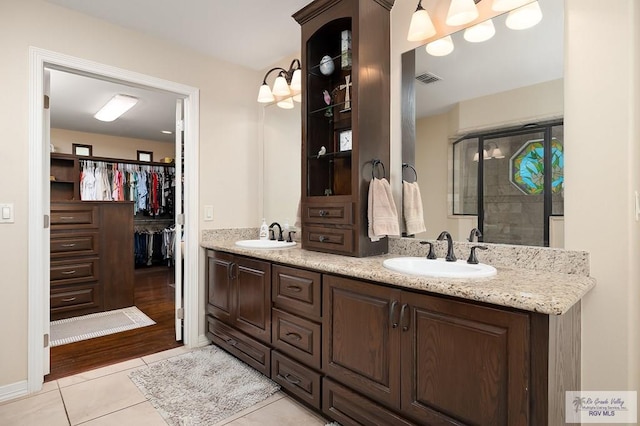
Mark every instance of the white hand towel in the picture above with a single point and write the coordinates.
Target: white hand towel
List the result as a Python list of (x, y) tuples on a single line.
[(381, 210), (412, 208)]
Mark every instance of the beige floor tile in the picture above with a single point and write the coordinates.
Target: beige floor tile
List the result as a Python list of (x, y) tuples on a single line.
[(276, 396), (95, 398), (40, 409), (49, 386), (165, 354), (100, 372), (284, 412), (138, 415)]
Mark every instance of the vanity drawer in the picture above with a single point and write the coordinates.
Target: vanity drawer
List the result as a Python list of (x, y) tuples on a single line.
[(73, 216), (297, 290), (296, 378), (74, 271), (74, 244), (297, 337), (254, 353), (334, 213), (328, 239)]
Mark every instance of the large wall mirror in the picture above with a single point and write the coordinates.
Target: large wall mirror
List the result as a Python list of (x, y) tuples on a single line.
[(281, 139), (512, 82)]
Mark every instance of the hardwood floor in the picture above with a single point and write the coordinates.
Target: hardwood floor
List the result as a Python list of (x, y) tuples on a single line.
[(153, 296)]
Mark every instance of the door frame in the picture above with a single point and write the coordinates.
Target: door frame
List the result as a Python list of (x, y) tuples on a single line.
[(39, 197)]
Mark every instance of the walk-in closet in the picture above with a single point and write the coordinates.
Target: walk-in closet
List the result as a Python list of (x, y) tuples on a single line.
[(114, 241)]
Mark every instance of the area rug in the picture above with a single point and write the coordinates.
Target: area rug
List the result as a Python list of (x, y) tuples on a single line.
[(201, 387), (85, 327)]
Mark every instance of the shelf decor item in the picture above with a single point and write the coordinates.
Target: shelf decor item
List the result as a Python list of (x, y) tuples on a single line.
[(345, 48), (326, 65)]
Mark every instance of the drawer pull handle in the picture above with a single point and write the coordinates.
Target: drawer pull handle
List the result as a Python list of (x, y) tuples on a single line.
[(67, 217), (69, 299), (295, 288), (291, 379), (394, 320), (68, 245), (405, 325), (323, 213), (73, 271), (232, 342), (294, 336), (322, 238)]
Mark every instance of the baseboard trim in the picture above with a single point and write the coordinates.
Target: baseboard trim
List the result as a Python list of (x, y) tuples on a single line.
[(14, 390)]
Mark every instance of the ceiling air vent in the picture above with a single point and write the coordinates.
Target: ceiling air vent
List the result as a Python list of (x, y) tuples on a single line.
[(427, 78)]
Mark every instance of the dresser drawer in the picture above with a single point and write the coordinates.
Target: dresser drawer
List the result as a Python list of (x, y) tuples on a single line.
[(296, 379), (74, 244), (297, 337), (76, 297), (73, 215), (328, 239), (254, 353), (74, 271), (333, 213), (297, 290)]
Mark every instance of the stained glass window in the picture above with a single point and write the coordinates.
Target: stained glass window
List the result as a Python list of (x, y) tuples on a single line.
[(526, 168)]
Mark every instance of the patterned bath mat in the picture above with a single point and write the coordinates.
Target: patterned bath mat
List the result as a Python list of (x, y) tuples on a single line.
[(85, 327), (201, 387)]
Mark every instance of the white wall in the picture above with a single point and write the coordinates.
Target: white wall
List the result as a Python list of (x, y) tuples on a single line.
[(228, 135), (602, 101), (111, 146)]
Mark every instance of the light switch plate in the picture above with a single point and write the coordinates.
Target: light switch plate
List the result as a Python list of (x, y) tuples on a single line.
[(6, 213), (208, 213)]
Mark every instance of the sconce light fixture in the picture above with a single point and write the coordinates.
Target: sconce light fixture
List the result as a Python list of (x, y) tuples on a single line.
[(480, 32), (461, 12), (421, 27), (488, 153), (441, 47), (524, 17), (116, 106), (286, 87)]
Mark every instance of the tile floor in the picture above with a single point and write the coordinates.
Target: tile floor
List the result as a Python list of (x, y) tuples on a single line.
[(106, 397)]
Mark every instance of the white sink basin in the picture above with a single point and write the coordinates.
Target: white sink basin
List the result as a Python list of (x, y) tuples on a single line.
[(264, 244), (439, 268)]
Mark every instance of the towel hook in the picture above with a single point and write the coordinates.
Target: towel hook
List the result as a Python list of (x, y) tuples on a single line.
[(409, 166), (375, 162)]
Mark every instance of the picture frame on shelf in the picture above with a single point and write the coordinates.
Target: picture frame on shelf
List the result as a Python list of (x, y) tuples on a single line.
[(343, 140), (82, 150), (146, 156)]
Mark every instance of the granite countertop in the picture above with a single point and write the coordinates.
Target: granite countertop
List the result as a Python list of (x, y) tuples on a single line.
[(552, 293)]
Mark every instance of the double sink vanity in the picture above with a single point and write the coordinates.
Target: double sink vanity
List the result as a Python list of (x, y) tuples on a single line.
[(366, 344)]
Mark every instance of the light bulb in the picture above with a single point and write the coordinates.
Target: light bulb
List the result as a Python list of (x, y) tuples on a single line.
[(296, 81), (524, 17), (480, 32), (440, 47), (461, 12), (285, 103), (421, 27)]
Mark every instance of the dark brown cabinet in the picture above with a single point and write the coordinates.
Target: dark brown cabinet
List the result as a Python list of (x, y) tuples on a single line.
[(91, 251), (345, 119), (64, 176), (239, 307), (434, 360)]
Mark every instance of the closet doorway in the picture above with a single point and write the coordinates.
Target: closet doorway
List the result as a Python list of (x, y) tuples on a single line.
[(42, 64)]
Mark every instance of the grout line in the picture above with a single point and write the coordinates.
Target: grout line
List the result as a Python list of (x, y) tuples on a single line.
[(64, 405)]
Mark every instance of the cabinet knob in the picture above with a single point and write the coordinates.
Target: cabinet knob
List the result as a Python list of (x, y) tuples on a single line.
[(322, 238), (323, 213)]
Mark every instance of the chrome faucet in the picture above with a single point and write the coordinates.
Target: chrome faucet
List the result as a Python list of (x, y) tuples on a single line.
[(451, 257), (273, 237), (475, 232)]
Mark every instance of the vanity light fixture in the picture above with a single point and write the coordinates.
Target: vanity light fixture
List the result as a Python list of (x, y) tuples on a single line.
[(524, 17), (485, 156), (440, 47), (421, 27), (461, 12), (116, 106), (287, 84), (480, 32)]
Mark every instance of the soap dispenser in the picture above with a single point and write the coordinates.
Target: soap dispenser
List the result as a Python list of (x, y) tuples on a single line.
[(264, 230)]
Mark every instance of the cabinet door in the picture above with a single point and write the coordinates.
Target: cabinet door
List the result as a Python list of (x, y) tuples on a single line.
[(463, 363), (219, 291), (252, 313), (361, 341)]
